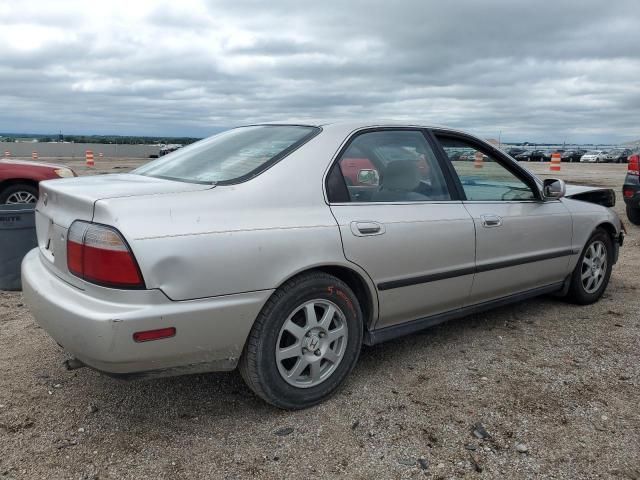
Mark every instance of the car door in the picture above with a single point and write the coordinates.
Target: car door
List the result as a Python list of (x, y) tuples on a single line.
[(522, 241), (401, 221)]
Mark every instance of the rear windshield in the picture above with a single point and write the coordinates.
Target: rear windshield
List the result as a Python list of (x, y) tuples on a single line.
[(230, 157)]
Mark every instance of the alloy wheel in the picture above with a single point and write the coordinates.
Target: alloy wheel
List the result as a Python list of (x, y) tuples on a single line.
[(21, 196), (594, 266), (311, 343)]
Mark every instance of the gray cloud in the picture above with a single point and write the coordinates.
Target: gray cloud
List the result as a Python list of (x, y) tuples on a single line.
[(532, 70)]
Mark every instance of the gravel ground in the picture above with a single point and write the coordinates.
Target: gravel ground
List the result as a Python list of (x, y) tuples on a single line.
[(552, 389)]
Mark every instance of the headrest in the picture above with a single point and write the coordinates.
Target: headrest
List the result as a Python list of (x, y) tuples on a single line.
[(401, 175)]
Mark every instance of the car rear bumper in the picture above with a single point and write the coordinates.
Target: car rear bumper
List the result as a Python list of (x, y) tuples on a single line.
[(210, 333)]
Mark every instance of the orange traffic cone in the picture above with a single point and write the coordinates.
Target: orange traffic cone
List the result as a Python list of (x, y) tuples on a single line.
[(477, 160)]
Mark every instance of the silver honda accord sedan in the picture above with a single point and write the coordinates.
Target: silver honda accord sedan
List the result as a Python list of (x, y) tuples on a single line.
[(281, 249)]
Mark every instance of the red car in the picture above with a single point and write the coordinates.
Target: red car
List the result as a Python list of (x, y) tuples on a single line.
[(19, 179)]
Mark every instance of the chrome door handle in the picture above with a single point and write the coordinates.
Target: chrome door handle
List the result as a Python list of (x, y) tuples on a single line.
[(489, 221), (366, 228)]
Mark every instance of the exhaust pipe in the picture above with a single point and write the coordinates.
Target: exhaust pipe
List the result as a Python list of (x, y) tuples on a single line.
[(73, 364)]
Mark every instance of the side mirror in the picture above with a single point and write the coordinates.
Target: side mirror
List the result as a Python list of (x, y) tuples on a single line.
[(553, 188), (368, 177)]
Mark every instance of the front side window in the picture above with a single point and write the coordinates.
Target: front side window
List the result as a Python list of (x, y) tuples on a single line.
[(230, 156), (390, 166), (482, 177)]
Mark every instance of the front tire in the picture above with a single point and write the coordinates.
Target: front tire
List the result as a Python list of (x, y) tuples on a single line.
[(591, 276), (633, 214), (19, 193), (304, 343)]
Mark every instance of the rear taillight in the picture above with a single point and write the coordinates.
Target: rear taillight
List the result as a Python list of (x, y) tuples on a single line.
[(628, 192), (99, 254), (634, 165)]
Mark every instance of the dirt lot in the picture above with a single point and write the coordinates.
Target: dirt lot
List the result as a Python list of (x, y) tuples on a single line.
[(559, 381)]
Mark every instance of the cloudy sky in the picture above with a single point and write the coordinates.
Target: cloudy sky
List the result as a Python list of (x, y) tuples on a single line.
[(533, 70)]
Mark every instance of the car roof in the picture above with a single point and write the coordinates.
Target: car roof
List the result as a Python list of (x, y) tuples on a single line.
[(351, 125), (355, 124)]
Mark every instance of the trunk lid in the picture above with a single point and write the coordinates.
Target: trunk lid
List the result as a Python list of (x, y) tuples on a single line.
[(63, 201)]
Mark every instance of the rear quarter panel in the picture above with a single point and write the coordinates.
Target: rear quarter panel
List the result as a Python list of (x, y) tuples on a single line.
[(220, 251)]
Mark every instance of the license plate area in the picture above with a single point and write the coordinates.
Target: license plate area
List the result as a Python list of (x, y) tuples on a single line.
[(50, 235), (51, 240)]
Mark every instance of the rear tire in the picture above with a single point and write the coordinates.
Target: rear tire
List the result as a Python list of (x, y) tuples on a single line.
[(293, 359), (633, 214), (19, 193), (591, 276)]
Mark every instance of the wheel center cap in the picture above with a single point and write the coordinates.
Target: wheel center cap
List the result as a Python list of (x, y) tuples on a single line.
[(312, 342)]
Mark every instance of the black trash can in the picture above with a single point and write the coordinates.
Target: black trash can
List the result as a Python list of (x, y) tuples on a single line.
[(17, 237)]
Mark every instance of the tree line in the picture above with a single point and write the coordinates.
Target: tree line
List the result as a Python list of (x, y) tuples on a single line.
[(108, 139)]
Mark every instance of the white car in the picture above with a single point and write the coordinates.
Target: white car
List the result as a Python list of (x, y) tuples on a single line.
[(594, 156)]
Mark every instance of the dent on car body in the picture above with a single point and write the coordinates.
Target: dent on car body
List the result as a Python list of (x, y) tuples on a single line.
[(598, 195)]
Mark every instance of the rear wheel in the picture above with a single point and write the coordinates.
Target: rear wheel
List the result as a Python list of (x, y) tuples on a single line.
[(304, 343), (591, 275), (633, 214), (19, 193)]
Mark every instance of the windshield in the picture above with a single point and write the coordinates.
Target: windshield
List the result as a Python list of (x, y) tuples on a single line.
[(232, 156)]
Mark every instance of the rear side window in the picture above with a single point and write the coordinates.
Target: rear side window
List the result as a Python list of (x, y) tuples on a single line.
[(388, 166), (232, 156)]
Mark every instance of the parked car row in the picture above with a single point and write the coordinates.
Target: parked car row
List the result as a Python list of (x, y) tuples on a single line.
[(536, 156), (616, 155)]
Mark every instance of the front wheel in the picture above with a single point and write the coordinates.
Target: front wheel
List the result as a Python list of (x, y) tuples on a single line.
[(591, 275), (304, 343), (19, 193), (633, 214)]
